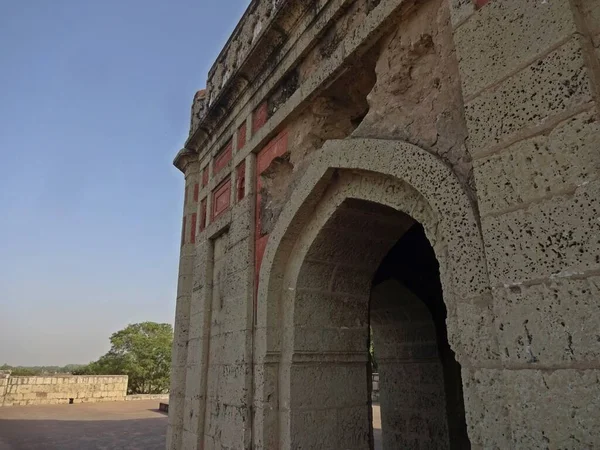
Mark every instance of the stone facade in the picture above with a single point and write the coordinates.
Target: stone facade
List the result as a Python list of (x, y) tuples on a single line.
[(426, 169), (56, 389)]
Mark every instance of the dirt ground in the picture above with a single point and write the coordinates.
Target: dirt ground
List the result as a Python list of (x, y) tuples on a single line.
[(133, 425)]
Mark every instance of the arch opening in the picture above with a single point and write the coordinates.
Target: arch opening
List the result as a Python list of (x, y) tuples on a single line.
[(368, 266), (420, 387)]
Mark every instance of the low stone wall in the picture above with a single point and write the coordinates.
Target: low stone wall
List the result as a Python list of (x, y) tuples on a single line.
[(57, 389)]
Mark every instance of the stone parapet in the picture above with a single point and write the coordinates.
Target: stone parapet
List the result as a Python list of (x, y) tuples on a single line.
[(52, 390)]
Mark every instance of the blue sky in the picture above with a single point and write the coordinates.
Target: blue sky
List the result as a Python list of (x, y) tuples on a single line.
[(94, 104)]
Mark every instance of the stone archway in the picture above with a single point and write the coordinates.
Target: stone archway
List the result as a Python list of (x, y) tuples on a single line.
[(304, 347)]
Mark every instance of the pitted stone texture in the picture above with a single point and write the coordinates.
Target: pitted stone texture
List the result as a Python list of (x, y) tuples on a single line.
[(554, 323), (486, 408), (554, 85), (555, 408), (460, 10), (505, 35), (421, 170), (552, 238), (565, 158)]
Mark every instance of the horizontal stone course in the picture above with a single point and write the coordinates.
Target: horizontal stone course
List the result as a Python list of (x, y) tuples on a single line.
[(555, 238), (553, 323), (561, 160), (509, 34), (551, 86)]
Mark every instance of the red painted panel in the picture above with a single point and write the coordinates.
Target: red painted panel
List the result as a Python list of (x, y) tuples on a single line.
[(221, 198), (203, 214), (481, 3), (275, 148), (193, 229), (183, 232), (260, 117), (205, 176), (185, 196), (240, 178), (241, 136), (223, 157), (196, 191)]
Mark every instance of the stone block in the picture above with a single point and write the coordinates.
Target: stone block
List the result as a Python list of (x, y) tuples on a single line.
[(318, 386), (234, 421), (339, 339), (552, 238), (315, 275), (352, 280), (567, 157), (472, 336), (236, 314), (234, 347), (353, 427), (486, 411), (235, 384), (238, 256), (554, 85), (314, 309), (189, 440), (194, 351), (558, 408), (551, 324), (196, 330), (236, 285), (322, 425), (505, 35)]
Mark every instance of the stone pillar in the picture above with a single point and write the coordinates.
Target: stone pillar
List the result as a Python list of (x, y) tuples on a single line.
[(529, 75), (188, 163), (411, 384)]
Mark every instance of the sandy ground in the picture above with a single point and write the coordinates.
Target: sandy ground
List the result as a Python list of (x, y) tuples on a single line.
[(133, 425)]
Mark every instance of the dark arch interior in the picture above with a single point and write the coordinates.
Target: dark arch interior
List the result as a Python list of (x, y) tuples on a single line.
[(408, 319)]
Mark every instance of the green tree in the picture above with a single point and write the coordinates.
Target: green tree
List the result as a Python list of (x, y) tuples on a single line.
[(141, 351)]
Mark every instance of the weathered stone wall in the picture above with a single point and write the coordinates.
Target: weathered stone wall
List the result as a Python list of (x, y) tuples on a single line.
[(476, 118), (529, 82), (51, 390)]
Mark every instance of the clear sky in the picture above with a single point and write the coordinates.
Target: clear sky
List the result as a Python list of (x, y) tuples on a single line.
[(94, 104)]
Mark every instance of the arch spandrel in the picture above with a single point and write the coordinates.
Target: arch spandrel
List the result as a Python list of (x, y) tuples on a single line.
[(457, 238)]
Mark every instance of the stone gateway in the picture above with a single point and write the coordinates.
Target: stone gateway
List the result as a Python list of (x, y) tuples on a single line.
[(421, 176)]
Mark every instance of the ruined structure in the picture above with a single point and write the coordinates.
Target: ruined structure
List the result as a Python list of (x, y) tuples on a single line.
[(427, 169)]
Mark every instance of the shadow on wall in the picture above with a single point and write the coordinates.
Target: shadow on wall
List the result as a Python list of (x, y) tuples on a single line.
[(146, 434)]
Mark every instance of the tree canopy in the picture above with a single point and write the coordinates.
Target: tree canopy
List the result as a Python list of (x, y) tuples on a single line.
[(39, 370), (142, 351)]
